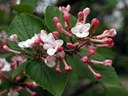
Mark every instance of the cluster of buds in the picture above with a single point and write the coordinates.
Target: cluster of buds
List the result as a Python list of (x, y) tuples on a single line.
[(19, 82), (50, 45)]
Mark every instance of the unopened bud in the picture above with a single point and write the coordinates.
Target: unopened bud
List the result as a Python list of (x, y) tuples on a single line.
[(18, 78), (60, 48), (68, 68), (86, 11), (56, 34), (98, 76), (59, 26), (68, 8), (58, 70), (66, 17), (5, 47), (85, 59), (13, 38), (112, 32), (33, 93), (69, 45), (80, 15), (111, 44), (108, 62), (92, 52), (20, 88), (95, 22), (1, 65), (55, 20)]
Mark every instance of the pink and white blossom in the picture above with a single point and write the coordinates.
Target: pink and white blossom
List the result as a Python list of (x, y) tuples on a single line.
[(81, 30), (29, 42), (50, 44), (6, 66)]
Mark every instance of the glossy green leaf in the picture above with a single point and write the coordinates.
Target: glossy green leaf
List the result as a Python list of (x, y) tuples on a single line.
[(47, 77), (5, 55), (25, 26), (109, 74)]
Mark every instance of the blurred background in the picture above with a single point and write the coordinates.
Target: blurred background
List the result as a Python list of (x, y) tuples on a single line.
[(111, 13)]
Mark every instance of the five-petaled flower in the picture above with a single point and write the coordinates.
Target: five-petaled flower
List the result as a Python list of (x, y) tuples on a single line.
[(81, 30), (50, 43)]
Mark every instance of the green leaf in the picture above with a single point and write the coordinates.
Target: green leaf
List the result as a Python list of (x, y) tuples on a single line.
[(19, 69), (5, 55), (25, 26), (116, 90), (109, 74), (46, 77), (52, 12), (23, 8)]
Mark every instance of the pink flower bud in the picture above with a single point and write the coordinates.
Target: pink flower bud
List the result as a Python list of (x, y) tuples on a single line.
[(69, 45), (18, 78), (59, 26), (33, 93), (85, 59), (80, 15), (5, 47), (2, 74), (112, 32), (37, 41), (86, 11), (66, 17), (98, 76), (68, 8), (63, 9), (13, 38), (95, 22), (111, 44), (1, 65), (91, 52), (68, 68), (107, 40), (13, 64), (58, 70), (55, 20), (108, 62), (60, 48), (56, 34), (20, 88)]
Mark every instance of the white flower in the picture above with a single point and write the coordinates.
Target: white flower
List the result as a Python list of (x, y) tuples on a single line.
[(13, 93), (81, 30), (50, 61), (50, 44), (19, 59), (29, 42), (6, 65)]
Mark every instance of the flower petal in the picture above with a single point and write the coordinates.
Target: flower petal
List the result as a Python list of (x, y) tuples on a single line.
[(47, 46), (51, 51), (43, 36), (50, 61), (59, 42), (85, 27)]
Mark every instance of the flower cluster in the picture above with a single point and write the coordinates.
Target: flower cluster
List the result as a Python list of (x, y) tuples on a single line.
[(52, 49), (19, 82)]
